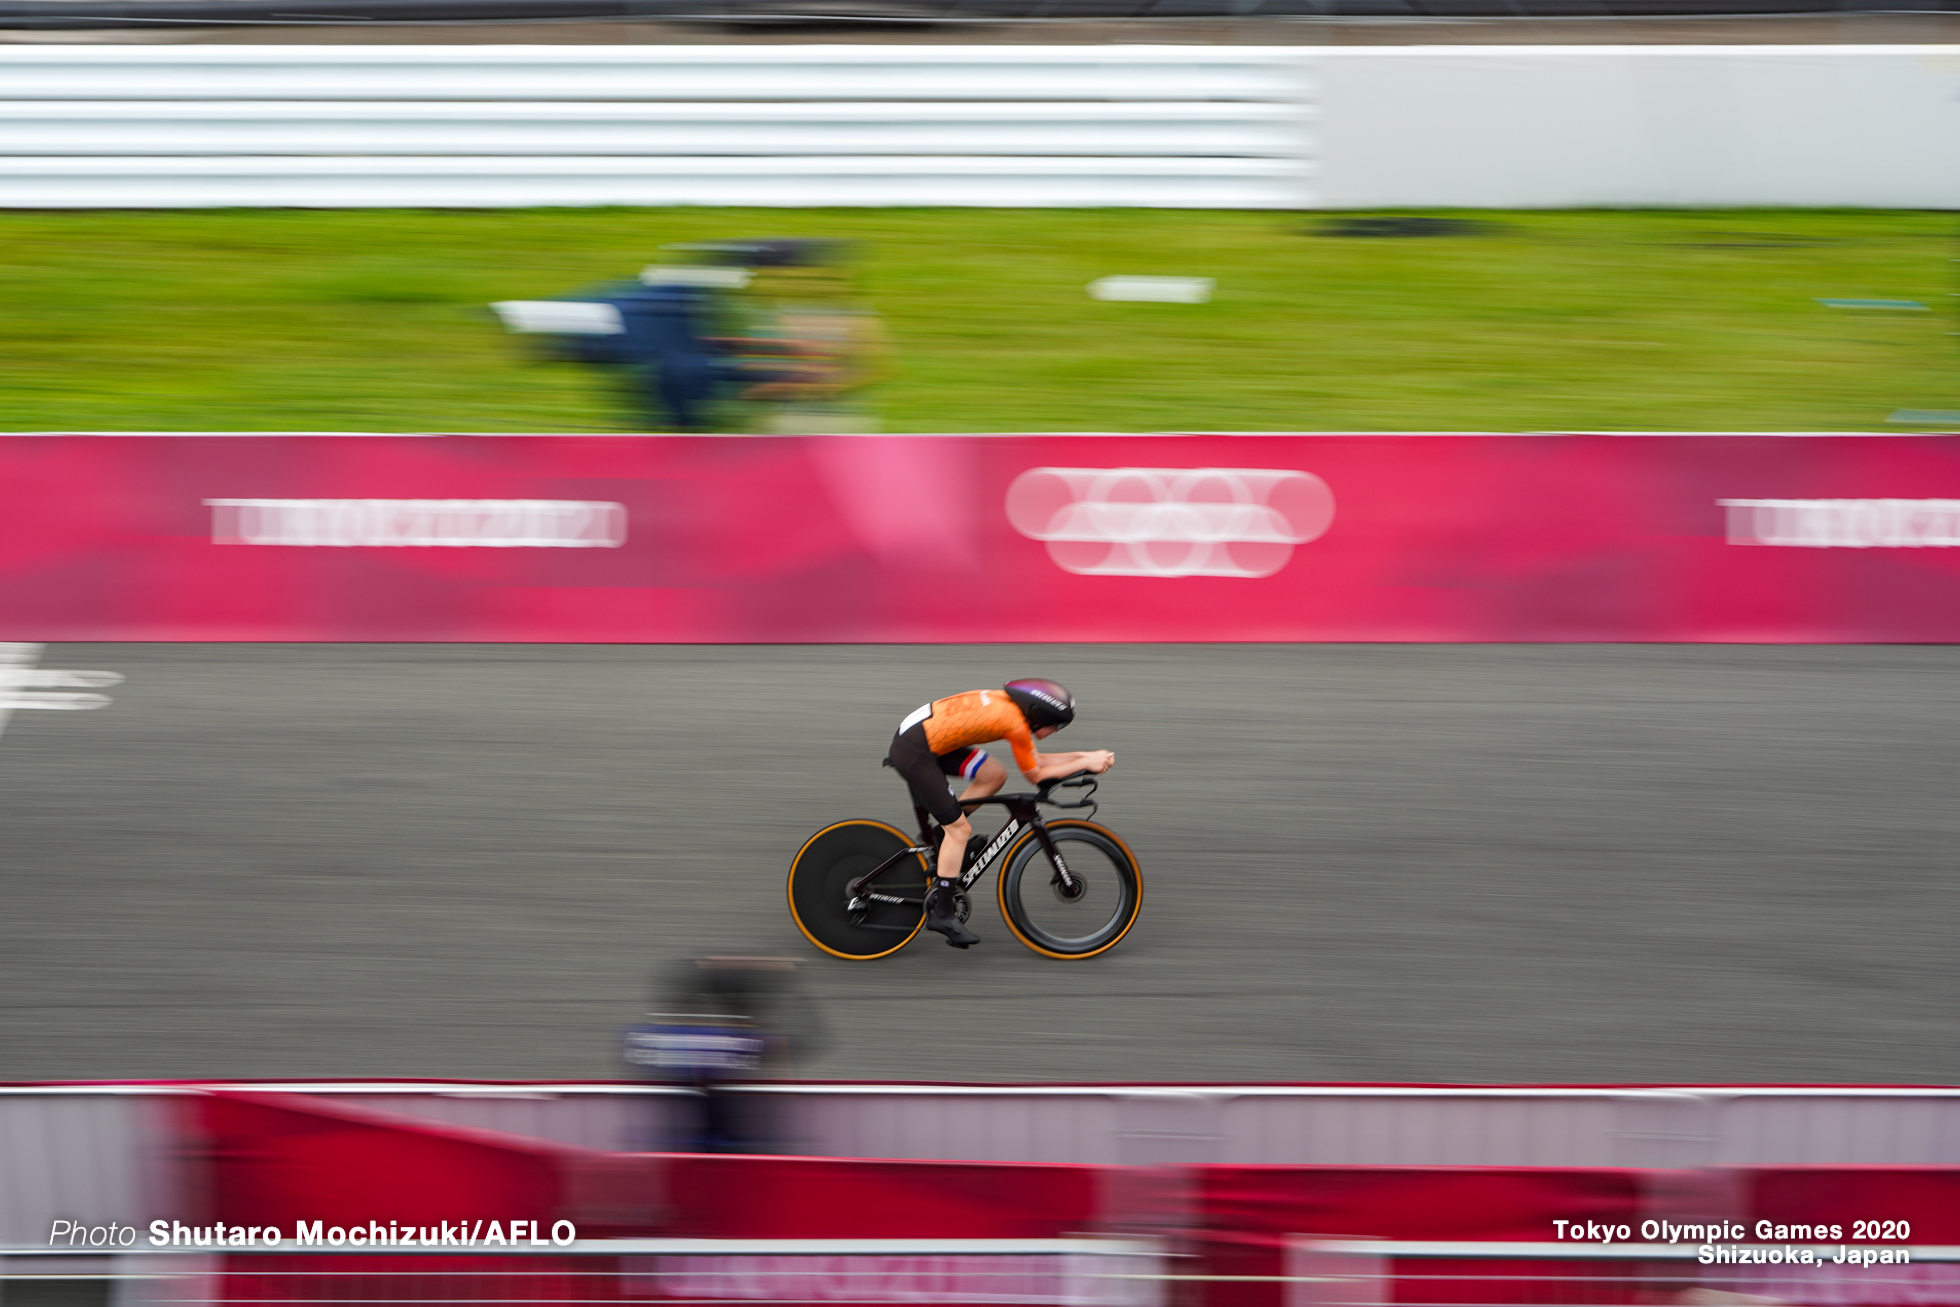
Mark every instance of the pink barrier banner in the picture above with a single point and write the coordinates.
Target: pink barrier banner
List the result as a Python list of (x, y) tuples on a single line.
[(980, 538)]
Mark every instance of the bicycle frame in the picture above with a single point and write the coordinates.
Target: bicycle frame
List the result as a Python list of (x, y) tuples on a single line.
[(1023, 813)]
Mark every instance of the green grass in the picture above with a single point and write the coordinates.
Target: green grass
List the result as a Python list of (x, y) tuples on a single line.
[(375, 319)]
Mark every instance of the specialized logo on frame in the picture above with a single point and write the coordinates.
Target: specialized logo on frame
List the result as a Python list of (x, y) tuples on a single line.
[(1170, 521)]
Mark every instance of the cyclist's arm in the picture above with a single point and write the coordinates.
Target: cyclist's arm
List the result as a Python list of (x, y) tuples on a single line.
[(1049, 766)]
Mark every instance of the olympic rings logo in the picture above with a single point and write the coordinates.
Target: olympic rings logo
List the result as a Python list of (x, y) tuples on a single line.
[(1170, 522)]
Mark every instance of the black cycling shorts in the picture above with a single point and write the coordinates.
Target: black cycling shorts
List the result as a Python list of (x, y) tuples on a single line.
[(925, 772)]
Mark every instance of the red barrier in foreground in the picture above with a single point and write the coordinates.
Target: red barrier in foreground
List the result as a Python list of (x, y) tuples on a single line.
[(834, 1230), (955, 538), (272, 1162), (1261, 1226), (1252, 1216), (392, 1186)]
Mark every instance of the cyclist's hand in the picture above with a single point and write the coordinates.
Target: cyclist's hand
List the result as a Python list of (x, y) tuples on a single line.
[(1099, 760)]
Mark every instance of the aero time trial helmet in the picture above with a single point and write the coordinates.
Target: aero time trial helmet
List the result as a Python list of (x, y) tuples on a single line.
[(1043, 703)]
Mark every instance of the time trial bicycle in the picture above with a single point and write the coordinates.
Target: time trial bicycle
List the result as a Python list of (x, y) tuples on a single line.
[(1069, 888)]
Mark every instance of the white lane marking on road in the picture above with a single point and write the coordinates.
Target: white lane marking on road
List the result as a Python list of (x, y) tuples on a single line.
[(23, 685)]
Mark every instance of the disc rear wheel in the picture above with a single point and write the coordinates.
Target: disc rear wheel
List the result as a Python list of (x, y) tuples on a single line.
[(1083, 914), (820, 901)]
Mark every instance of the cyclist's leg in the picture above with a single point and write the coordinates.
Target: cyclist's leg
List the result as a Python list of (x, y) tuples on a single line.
[(925, 776), (986, 774), (986, 777)]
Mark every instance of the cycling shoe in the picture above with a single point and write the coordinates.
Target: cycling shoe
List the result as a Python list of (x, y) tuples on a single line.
[(943, 916)]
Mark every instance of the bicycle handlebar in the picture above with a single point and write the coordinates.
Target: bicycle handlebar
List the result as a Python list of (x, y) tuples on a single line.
[(1085, 781), (1082, 780)]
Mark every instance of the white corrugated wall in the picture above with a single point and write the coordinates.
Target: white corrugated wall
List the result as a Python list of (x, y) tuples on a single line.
[(1210, 127), (327, 126)]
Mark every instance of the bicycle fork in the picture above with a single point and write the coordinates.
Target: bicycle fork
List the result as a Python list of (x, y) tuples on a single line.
[(1062, 880)]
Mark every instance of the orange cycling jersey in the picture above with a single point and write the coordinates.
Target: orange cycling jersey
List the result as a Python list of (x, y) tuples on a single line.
[(960, 720)]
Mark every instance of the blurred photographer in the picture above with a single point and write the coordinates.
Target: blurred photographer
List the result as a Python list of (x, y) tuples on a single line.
[(724, 1022)]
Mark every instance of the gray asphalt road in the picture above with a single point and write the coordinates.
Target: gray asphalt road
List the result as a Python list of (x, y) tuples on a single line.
[(1363, 863)]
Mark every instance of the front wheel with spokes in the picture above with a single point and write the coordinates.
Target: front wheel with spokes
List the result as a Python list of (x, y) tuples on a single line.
[(1082, 914)]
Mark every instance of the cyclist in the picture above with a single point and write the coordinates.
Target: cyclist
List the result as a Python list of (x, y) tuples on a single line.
[(942, 739)]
